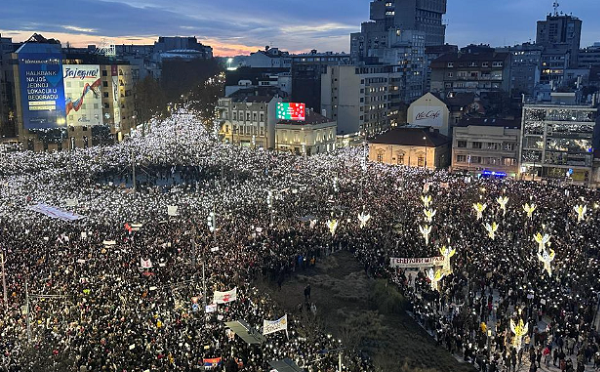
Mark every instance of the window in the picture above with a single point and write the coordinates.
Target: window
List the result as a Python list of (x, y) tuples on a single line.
[(105, 84), (104, 73), (450, 74), (450, 64), (475, 159), (421, 161), (380, 157), (462, 144), (400, 159), (485, 64), (461, 158), (497, 64), (509, 161), (105, 94), (477, 145)]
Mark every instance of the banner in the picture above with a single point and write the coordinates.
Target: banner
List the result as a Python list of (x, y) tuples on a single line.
[(416, 262), (272, 326), (56, 213), (225, 297), (83, 96), (116, 97), (172, 210), (42, 89), (146, 264)]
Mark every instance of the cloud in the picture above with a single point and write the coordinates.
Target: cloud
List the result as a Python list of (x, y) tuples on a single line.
[(80, 29)]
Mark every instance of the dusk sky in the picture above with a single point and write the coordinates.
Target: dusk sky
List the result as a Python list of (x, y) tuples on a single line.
[(242, 26)]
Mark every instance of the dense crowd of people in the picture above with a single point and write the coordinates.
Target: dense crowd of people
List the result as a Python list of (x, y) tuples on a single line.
[(93, 307)]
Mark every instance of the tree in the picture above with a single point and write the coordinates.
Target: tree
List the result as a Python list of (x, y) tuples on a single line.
[(205, 96), (150, 100)]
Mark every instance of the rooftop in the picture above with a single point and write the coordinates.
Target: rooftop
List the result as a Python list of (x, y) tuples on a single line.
[(312, 118), (491, 122), (411, 137)]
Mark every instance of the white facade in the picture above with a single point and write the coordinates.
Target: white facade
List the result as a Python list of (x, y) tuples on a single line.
[(430, 111)]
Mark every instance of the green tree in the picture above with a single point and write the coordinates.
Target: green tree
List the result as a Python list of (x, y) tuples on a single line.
[(205, 96)]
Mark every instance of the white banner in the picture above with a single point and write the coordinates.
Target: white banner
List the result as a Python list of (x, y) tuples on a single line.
[(57, 213), (146, 264), (211, 308), (416, 262), (172, 210), (272, 326), (225, 297)]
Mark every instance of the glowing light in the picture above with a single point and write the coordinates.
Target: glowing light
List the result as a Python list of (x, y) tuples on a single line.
[(520, 330), (429, 214), (491, 229), (542, 240), (332, 225), (503, 200), (435, 277), (363, 218), (529, 209), (426, 200), (479, 208), (580, 209), (547, 257), (425, 231), (447, 253)]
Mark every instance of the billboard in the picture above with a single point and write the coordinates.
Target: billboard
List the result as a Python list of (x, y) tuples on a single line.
[(291, 111), (83, 96), (42, 90), (428, 116)]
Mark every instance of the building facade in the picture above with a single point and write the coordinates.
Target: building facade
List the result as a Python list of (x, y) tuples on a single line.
[(63, 99), (248, 119), (315, 135), (269, 58), (471, 73), (431, 112), (307, 70), (362, 99), (526, 63), (487, 146), (410, 147), (590, 57), (561, 32), (557, 138)]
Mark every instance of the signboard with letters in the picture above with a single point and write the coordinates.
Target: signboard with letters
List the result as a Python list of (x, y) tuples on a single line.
[(416, 262), (428, 116)]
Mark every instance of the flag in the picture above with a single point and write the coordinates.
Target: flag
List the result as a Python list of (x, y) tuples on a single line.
[(172, 210), (272, 326), (127, 227), (212, 362), (225, 297)]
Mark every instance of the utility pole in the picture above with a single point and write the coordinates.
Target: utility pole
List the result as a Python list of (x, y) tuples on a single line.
[(133, 171), (27, 310), (4, 283), (204, 283)]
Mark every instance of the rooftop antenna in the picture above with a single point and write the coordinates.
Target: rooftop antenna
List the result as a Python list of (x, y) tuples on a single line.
[(556, 5)]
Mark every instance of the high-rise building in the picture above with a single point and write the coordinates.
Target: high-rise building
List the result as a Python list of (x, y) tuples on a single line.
[(307, 70), (362, 99), (397, 34), (560, 31), (416, 15)]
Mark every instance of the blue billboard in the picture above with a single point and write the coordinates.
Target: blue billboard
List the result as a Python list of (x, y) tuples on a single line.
[(42, 90)]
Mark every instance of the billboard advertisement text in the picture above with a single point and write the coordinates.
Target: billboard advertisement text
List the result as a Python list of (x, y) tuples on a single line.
[(83, 99), (42, 90)]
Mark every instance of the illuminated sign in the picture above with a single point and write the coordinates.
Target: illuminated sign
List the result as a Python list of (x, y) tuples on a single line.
[(291, 111), (487, 173), (42, 90)]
